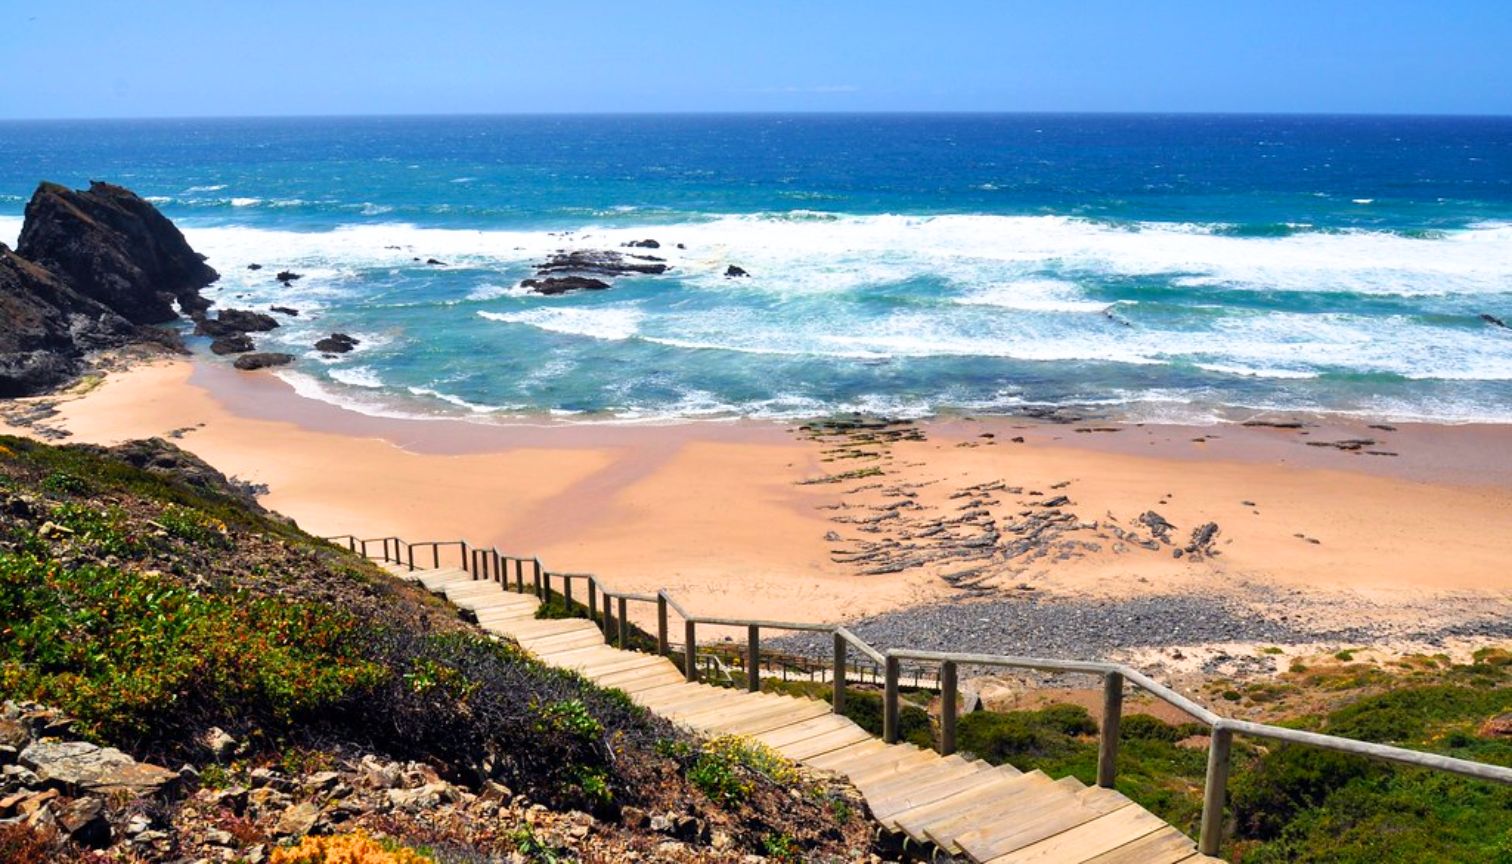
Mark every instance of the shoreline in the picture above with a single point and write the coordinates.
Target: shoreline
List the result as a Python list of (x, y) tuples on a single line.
[(735, 517)]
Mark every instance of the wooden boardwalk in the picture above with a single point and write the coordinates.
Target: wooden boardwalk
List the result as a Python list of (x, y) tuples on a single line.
[(968, 808)]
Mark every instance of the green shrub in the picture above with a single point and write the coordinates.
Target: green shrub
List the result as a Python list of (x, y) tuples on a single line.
[(724, 767), (1006, 736), (130, 653), (64, 484)]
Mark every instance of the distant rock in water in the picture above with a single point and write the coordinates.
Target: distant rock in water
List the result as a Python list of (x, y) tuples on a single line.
[(564, 284), (254, 266), (337, 343), (110, 245), (284, 310), (287, 276), (435, 263), (234, 321), (600, 263), (263, 360), (1493, 320), (644, 244), (733, 272), (236, 343)]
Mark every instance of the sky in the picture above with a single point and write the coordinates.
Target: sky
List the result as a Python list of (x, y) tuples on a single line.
[(170, 58)]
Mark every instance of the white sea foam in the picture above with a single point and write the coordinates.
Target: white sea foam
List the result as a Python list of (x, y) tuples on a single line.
[(1033, 295), (356, 376), (198, 189), (613, 323)]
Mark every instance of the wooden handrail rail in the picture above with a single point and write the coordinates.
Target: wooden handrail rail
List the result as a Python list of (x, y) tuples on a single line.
[(1115, 676)]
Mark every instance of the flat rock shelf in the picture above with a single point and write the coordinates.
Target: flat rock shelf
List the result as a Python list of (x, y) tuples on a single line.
[(967, 808)]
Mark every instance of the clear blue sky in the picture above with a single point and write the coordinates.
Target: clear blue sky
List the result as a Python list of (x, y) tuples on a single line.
[(155, 58)]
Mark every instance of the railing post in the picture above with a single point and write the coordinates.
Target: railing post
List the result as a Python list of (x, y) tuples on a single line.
[(593, 602), (537, 579), (498, 570), (1214, 793), (435, 556), (519, 567), (890, 702), (753, 658), (690, 651), (567, 593), (624, 628), (546, 586), (463, 547), (1107, 746), (661, 624), (838, 676), (947, 707), (608, 619)]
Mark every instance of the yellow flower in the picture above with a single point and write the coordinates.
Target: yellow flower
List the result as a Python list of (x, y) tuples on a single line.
[(354, 848)]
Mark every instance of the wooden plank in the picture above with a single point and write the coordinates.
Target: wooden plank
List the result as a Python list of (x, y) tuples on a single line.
[(535, 628), (943, 771), (598, 668), (1086, 840), (850, 751), (827, 722), (1037, 821), (643, 673), (859, 776), (990, 796), (833, 761), (1165, 846), (902, 800), (791, 717), (827, 745), (748, 705), (885, 753), (561, 640)]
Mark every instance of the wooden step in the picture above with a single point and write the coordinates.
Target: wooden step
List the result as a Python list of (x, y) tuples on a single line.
[(1085, 840), (819, 745), (1037, 821), (1163, 846), (890, 804)]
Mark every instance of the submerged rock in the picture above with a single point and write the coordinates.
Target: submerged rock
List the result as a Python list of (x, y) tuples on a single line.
[(110, 245), (287, 276), (733, 272), (644, 244), (235, 343), (263, 360), (285, 310), (564, 284), (337, 343), (1493, 320), (602, 263), (231, 321)]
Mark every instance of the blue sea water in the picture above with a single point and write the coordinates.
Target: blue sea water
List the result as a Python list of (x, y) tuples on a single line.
[(1160, 267)]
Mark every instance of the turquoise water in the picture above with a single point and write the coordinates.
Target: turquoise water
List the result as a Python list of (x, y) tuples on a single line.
[(1177, 267)]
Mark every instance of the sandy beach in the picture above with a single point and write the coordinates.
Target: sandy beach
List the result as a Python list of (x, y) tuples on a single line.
[(764, 519)]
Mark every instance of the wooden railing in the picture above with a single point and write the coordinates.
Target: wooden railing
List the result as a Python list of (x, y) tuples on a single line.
[(509, 571)]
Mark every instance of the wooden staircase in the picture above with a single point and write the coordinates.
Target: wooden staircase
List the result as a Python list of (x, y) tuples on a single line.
[(963, 807)]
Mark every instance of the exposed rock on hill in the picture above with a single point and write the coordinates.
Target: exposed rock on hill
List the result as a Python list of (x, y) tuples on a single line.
[(48, 327), (114, 247)]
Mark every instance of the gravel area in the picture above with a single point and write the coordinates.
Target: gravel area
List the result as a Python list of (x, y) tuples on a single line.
[(1087, 629)]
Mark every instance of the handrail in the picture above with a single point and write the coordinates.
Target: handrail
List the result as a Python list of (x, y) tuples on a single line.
[(1115, 675)]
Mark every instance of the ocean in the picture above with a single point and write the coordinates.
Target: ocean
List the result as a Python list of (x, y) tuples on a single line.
[(1152, 268)]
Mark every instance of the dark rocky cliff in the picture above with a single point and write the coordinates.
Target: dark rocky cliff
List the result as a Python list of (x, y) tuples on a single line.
[(116, 248), (93, 268)]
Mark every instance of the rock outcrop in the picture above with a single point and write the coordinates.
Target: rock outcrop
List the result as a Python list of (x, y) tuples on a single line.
[(93, 270), (112, 246), (48, 327), (553, 285), (231, 321), (262, 360), (337, 343)]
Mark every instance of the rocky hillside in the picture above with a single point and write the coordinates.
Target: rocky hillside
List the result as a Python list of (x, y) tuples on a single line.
[(93, 269), (191, 678)]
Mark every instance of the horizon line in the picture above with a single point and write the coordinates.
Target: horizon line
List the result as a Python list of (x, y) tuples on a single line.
[(757, 113)]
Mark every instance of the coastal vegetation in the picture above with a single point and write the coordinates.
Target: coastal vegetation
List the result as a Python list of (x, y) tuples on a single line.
[(159, 610), (1287, 803)]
